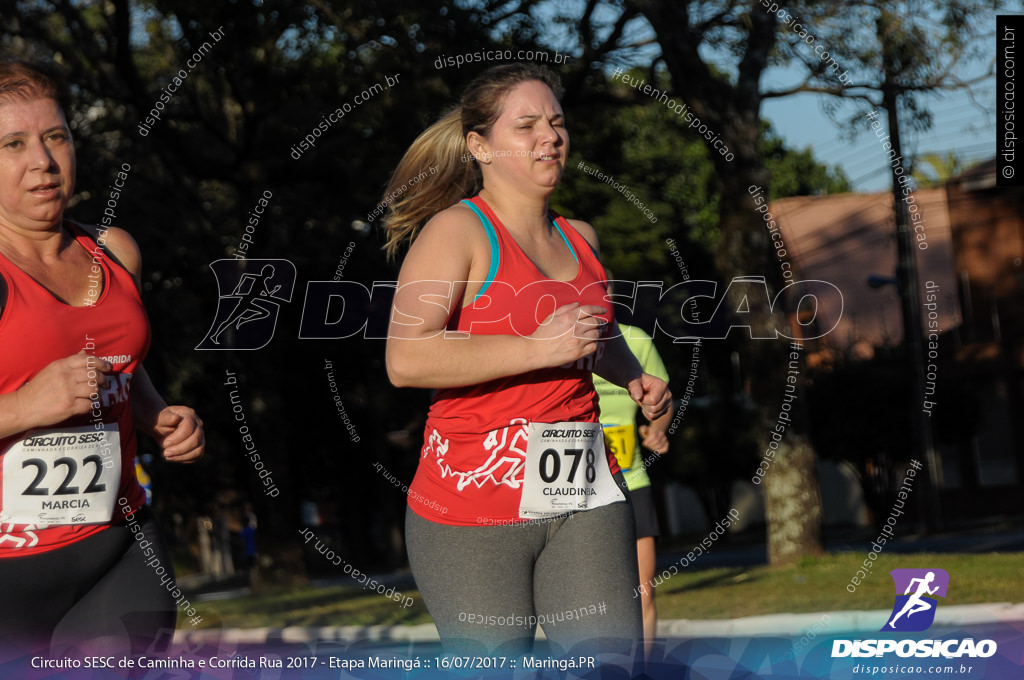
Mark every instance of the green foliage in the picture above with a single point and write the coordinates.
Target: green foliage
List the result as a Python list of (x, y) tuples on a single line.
[(651, 153), (797, 173), (225, 137), (649, 150), (229, 133), (935, 169)]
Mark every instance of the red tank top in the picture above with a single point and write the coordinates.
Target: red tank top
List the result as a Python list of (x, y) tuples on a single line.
[(473, 459), (35, 330)]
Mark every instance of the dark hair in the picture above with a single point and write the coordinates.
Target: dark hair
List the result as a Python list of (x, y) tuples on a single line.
[(437, 169), (31, 80)]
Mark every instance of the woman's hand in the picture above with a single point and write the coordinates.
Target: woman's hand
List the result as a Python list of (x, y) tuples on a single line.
[(64, 388), (570, 333), (179, 432), (654, 439), (651, 394)]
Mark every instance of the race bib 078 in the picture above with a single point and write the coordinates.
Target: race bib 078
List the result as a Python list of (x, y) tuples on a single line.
[(62, 476), (566, 470)]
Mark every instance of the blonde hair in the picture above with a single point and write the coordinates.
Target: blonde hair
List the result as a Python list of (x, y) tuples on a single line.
[(438, 170)]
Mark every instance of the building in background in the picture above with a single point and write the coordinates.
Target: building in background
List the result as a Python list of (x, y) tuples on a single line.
[(972, 288), (987, 224)]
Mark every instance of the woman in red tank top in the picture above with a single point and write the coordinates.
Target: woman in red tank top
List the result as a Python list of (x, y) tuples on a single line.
[(501, 308), (78, 549)]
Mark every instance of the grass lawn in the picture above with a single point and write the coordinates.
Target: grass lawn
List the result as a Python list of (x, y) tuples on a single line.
[(820, 585), (719, 593), (308, 606)]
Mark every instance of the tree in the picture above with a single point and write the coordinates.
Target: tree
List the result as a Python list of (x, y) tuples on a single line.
[(935, 169), (715, 53), (226, 136), (646, 149), (230, 134), (915, 49), (725, 102)]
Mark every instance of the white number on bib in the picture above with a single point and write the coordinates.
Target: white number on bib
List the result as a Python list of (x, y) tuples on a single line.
[(566, 470), (60, 477)]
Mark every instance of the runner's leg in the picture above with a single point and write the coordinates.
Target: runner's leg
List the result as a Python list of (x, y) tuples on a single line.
[(646, 561), (474, 579), (589, 567), (39, 589), (129, 609)]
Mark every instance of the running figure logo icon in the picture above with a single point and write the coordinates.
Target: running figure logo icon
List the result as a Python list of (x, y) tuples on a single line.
[(247, 315), (915, 608)]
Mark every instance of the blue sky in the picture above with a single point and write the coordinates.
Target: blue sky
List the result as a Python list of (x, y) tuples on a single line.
[(962, 123), (959, 125)]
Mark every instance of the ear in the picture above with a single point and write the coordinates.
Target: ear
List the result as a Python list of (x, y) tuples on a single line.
[(478, 147)]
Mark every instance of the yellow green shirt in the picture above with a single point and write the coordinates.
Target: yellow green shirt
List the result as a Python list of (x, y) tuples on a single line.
[(617, 408)]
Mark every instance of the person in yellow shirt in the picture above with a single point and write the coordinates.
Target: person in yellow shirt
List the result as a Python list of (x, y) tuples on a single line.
[(624, 439)]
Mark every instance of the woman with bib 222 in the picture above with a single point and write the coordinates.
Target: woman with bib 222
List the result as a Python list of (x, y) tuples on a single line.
[(73, 334)]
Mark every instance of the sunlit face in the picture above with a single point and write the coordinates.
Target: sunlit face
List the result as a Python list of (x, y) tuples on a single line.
[(37, 164), (529, 142)]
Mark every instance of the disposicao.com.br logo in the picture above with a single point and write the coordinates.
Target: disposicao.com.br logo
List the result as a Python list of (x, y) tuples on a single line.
[(914, 611)]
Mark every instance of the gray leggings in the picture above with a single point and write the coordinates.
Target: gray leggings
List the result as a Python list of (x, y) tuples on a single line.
[(486, 587)]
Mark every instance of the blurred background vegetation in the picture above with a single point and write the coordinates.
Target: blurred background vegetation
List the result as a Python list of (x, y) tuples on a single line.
[(226, 137)]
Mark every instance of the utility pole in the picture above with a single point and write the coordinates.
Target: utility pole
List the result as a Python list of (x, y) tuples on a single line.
[(910, 299)]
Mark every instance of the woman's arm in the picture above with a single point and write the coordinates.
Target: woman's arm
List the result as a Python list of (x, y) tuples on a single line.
[(654, 436), (451, 250), (59, 391), (619, 366), (176, 429)]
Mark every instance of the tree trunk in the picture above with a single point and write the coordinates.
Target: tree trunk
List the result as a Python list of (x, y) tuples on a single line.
[(732, 110), (792, 497), (793, 502)]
